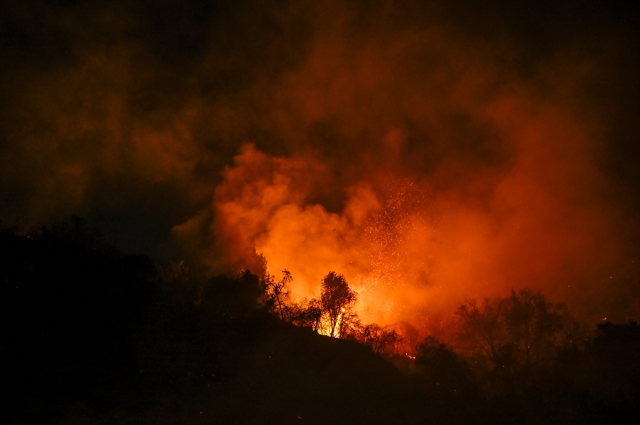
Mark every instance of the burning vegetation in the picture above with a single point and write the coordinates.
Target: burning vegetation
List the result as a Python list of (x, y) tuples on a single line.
[(518, 331), (333, 314)]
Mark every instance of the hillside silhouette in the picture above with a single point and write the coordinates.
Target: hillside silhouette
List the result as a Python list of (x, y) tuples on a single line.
[(93, 335)]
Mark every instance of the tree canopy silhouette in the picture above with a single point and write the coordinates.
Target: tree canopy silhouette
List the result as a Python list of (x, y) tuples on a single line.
[(337, 299), (512, 332), (440, 365)]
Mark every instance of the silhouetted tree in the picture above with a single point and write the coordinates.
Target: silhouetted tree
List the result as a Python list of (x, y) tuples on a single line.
[(232, 297), (614, 367), (348, 324), (276, 294), (573, 335), (532, 323), (439, 365), (379, 339), (336, 298), (513, 332), (480, 328), (307, 314)]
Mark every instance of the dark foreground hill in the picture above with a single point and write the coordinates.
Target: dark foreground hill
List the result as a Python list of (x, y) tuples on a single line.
[(92, 335)]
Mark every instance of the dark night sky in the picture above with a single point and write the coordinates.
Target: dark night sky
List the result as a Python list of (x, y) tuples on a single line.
[(126, 113)]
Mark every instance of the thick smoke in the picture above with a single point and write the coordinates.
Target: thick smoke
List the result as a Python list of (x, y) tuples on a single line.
[(431, 153)]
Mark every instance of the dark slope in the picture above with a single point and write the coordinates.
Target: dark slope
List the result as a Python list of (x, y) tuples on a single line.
[(90, 335)]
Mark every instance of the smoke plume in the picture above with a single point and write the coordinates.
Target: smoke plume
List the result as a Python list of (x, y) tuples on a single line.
[(430, 152)]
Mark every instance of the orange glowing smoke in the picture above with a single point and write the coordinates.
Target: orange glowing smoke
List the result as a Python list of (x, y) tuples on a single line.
[(427, 157), (457, 179), (414, 252)]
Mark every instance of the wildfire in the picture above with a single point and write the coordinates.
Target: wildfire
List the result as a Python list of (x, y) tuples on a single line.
[(416, 247), (325, 326), (386, 243)]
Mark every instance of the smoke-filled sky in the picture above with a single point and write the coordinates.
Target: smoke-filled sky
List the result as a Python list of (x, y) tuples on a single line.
[(431, 151)]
